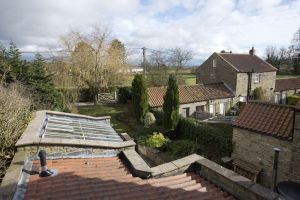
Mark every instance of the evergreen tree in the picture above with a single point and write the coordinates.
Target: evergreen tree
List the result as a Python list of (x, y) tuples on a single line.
[(41, 84), (171, 104), (139, 96)]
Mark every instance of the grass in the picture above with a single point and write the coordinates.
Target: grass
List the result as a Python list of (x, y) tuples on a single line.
[(279, 76), (190, 79)]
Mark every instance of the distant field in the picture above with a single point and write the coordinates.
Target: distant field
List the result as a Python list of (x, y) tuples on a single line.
[(286, 76), (190, 79)]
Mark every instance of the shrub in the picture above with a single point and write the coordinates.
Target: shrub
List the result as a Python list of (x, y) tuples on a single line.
[(157, 140), (292, 100), (171, 104), (124, 94), (182, 148), (259, 94), (149, 119), (159, 115), (14, 116), (139, 96), (213, 139)]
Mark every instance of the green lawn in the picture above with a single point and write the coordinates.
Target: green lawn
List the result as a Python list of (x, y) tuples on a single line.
[(278, 76), (190, 79)]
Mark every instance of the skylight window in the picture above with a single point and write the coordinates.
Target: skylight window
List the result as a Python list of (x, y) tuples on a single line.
[(59, 126)]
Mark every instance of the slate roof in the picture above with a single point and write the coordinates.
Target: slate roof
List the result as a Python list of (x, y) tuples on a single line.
[(246, 62), (267, 118), (108, 178), (190, 93), (287, 84)]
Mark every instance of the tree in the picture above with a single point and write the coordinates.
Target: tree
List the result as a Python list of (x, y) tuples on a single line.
[(158, 71), (117, 66), (94, 59), (179, 58), (40, 83), (296, 51), (139, 96), (171, 104)]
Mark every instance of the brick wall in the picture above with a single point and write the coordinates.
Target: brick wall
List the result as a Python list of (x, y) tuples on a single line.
[(257, 149)]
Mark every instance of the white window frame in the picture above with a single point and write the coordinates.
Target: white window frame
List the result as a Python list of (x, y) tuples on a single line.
[(222, 108), (256, 77), (283, 97), (212, 109), (242, 99), (277, 98), (214, 63)]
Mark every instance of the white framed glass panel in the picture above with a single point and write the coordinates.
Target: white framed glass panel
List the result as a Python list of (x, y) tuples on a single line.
[(222, 108)]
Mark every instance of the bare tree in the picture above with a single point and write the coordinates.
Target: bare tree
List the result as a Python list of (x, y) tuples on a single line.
[(179, 58), (95, 60)]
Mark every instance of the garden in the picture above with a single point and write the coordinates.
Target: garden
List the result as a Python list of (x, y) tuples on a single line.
[(174, 136)]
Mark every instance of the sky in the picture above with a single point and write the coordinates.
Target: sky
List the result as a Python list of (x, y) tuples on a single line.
[(203, 26)]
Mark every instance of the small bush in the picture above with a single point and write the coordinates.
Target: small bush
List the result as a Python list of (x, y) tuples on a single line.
[(157, 140), (149, 119), (124, 94), (182, 148), (292, 100), (259, 94), (159, 115)]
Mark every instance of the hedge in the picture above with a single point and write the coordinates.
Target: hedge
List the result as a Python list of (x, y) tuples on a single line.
[(159, 115), (292, 100), (213, 140)]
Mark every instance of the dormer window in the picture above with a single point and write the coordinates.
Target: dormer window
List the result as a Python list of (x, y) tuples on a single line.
[(214, 63), (256, 78)]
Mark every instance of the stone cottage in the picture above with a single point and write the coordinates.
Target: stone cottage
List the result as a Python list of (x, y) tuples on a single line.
[(210, 98), (234, 70), (285, 88), (259, 129)]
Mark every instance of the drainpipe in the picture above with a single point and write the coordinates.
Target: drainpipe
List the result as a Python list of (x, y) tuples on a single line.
[(275, 168)]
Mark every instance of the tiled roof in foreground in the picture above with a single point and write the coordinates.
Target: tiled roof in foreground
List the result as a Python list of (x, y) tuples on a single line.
[(287, 84), (267, 118), (190, 93), (108, 178)]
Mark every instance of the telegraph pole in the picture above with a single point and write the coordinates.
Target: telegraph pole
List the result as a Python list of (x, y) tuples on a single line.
[(144, 59)]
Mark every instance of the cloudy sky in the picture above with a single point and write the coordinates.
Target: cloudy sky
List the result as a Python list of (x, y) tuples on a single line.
[(203, 26)]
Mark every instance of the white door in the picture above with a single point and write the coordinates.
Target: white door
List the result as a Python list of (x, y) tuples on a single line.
[(222, 109), (212, 109), (283, 98)]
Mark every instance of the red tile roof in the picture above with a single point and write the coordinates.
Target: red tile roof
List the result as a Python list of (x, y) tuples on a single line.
[(270, 119), (247, 62), (190, 93), (287, 84), (108, 178)]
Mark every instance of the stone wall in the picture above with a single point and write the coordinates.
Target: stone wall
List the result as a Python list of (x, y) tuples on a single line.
[(267, 83), (258, 149), (223, 72)]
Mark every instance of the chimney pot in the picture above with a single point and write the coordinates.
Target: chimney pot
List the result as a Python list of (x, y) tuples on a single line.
[(252, 51)]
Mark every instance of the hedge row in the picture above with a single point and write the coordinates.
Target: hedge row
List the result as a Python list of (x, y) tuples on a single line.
[(214, 140)]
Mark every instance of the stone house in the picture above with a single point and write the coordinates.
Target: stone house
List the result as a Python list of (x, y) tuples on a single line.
[(285, 88), (213, 98), (259, 129), (234, 70)]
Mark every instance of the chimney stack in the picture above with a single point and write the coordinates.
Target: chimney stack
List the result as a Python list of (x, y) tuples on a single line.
[(252, 51)]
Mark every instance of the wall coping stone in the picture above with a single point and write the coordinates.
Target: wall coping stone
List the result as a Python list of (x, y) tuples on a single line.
[(12, 176), (239, 186), (137, 163)]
